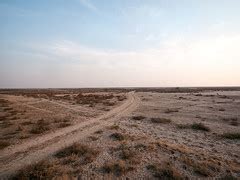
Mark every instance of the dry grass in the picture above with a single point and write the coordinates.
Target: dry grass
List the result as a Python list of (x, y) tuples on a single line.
[(232, 121), (118, 136), (26, 123), (40, 127), (85, 153), (168, 111), (194, 126), (165, 171), (233, 136), (199, 126), (138, 117), (42, 170), (206, 168), (117, 167), (98, 132), (93, 138), (160, 120), (128, 153), (64, 124), (114, 127), (92, 99), (4, 144)]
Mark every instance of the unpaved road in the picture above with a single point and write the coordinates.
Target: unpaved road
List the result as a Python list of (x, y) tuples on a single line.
[(16, 157)]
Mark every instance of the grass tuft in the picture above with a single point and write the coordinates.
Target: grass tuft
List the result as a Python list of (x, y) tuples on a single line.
[(138, 118), (86, 153), (117, 167), (118, 136), (199, 126), (4, 144), (160, 120), (232, 136), (165, 171)]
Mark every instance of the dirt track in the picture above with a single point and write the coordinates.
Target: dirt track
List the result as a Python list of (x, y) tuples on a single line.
[(18, 156)]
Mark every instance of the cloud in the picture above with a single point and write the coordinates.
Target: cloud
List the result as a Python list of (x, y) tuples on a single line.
[(88, 4), (181, 61)]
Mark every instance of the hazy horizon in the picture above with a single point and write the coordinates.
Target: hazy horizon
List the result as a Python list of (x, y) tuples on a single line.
[(92, 43)]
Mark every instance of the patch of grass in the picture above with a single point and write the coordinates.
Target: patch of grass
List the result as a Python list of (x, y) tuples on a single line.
[(165, 171), (26, 123), (64, 124), (228, 177), (141, 147), (117, 167), (232, 136), (4, 144), (92, 99), (118, 136), (121, 98), (40, 127), (115, 127), (109, 103), (42, 170), (232, 121), (194, 126), (138, 118), (86, 153), (93, 138), (98, 132), (160, 120), (3, 117), (205, 168), (6, 124), (182, 126), (168, 111), (128, 154), (199, 126)]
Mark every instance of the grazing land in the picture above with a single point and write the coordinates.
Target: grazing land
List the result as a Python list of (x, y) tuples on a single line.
[(135, 133)]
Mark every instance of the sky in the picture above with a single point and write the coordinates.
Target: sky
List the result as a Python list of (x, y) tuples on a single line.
[(120, 43)]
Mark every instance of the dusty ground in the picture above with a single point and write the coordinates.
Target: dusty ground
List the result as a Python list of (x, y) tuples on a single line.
[(148, 135)]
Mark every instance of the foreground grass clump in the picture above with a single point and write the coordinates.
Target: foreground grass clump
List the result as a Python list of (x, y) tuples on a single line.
[(86, 153), (4, 144), (160, 120), (128, 153), (42, 170), (117, 167), (165, 171), (231, 135)]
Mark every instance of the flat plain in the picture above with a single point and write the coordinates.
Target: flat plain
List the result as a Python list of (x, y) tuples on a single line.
[(135, 133)]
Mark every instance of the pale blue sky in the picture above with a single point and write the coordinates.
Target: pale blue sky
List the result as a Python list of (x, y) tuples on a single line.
[(103, 43)]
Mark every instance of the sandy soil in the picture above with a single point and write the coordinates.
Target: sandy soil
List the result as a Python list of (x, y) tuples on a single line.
[(148, 136)]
